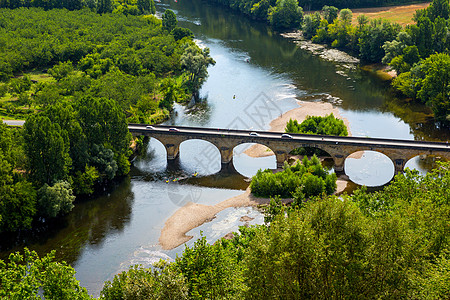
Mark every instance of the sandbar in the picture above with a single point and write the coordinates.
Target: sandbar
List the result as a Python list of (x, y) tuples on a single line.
[(300, 113)]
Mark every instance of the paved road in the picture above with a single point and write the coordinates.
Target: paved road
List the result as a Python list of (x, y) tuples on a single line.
[(295, 138), (14, 122)]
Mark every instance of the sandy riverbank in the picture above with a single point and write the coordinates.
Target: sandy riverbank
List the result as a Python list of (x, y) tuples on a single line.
[(193, 215), (300, 113)]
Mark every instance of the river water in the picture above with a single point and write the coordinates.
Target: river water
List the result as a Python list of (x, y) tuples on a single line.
[(258, 75)]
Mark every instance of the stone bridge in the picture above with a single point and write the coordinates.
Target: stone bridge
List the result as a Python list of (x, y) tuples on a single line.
[(339, 148)]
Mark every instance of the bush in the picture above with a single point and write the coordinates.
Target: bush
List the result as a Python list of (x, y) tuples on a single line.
[(307, 177)]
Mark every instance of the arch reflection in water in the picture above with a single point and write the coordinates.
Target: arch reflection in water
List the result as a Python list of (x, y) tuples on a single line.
[(369, 168), (247, 165), (199, 156), (423, 163), (153, 159)]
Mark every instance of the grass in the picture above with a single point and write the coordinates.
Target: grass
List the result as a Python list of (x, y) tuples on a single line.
[(399, 14)]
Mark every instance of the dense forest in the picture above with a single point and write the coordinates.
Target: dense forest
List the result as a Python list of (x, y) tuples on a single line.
[(127, 7), (390, 244), (79, 78)]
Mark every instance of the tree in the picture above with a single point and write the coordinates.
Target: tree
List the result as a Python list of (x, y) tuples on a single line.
[(211, 271), (163, 282), (310, 24), (196, 62), (169, 20), (18, 86), (105, 6), (55, 200), (330, 13), (286, 14), (438, 8), (104, 124), (328, 125), (61, 70), (179, 33), (346, 15), (146, 6), (47, 149), (17, 200), (29, 277)]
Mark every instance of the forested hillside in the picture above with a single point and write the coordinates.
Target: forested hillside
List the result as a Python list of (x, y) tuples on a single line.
[(78, 78), (127, 7)]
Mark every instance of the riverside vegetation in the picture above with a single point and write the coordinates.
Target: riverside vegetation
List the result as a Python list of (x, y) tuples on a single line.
[(393, 243), (418, 52), (103, 71)]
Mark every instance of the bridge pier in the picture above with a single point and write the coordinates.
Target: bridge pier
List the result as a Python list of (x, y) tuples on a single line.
[(173, 151), (226, 158), (399, 165), (339, 163), (281, 157)]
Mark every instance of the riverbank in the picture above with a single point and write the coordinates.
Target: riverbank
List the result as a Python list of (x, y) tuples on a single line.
[(193, 215)]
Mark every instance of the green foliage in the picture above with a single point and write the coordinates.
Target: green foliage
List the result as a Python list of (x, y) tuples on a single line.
[(286, 14), (126, 7), (180, 33), (55, 200), (29, 277), (18, 86), (169, 20), (330, 13), (47, 148), (17, 199), (273, 210), (211, 271), (196, 62), (328, 125), (61, 70), (429, 82), (163, 282), (83, 182), (308, 176)]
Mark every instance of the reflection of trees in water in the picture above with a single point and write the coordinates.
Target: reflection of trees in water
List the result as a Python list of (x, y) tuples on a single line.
[(419, 118), (88, 223), (428, 162)]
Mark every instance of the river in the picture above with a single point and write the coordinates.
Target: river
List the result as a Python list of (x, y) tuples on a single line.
[(258, 75)]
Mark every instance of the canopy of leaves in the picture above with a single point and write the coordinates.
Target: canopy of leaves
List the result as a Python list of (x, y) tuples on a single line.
[(328, 125), (307, 177), (29, 277)]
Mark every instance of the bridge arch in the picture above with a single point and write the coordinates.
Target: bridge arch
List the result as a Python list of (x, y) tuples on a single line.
[(423, 162), (154, 159), (369, 167), (248, 158), (199, 156)]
